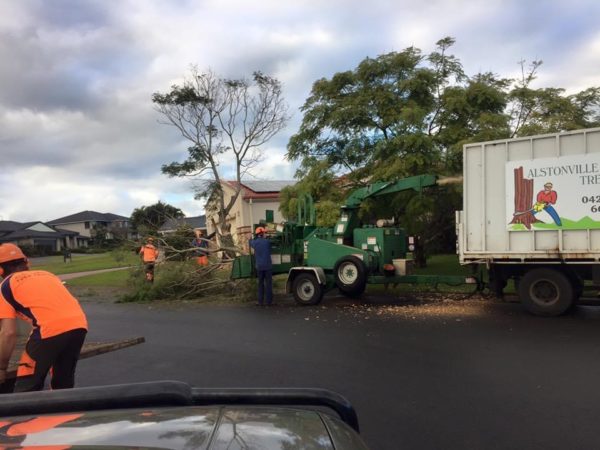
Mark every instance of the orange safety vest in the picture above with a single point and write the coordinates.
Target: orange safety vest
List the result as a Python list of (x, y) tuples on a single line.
[(40, 298), (149, 253)]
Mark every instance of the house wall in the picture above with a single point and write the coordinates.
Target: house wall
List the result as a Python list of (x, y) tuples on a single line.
[(244, 214), (52, 244), (233, 214), (79, 227), (253, 211)]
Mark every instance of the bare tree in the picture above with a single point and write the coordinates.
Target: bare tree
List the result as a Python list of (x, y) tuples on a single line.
[(224, 120)]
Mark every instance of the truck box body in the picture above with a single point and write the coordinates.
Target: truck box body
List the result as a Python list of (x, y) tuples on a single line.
[(500, 175)]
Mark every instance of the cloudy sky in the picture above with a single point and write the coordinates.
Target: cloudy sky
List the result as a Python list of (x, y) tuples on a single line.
[(77, 126)]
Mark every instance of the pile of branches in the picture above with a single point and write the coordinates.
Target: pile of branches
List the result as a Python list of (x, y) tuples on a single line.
[(179, 276)]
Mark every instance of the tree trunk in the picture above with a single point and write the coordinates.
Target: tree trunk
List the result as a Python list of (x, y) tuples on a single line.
[(523, 213)]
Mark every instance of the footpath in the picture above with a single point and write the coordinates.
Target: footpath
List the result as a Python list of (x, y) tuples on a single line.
[(70, 276)]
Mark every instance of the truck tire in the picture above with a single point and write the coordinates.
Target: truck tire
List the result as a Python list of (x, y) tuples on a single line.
[(546, 292), (307, 290), (350, 275)]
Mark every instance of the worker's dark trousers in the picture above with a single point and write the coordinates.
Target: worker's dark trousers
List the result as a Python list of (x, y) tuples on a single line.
[(57, 354), (265, 286), (149, 267)]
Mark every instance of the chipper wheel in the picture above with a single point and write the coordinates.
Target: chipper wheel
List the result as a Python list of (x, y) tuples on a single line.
[(307, 290), (350, 275)]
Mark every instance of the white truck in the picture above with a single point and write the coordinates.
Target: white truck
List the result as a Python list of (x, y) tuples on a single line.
[(531, 213)]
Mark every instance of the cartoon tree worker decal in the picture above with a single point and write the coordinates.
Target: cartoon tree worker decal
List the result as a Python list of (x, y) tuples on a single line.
[(544, 201)]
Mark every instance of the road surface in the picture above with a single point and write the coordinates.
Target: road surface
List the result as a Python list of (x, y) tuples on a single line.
[(453, 375)]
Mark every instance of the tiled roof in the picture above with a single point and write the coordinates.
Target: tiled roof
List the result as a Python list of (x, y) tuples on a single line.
[(88, 216), (9, 225), (21, 234), (260, 186), (12, 231), (262, 189), (193, 222)]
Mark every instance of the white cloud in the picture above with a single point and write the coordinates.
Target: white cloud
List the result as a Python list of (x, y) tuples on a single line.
[(77, 127)]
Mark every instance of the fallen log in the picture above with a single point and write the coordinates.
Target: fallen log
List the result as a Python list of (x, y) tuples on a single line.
[(88, 350)]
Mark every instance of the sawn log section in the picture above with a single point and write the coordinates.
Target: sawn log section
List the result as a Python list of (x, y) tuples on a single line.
[(89, 349)]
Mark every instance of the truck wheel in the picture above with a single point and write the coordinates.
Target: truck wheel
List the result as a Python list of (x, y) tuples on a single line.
[(546, 292), (350, 275), (307, 290)]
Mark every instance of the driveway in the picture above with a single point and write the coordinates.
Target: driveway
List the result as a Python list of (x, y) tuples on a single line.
[(453, 375)]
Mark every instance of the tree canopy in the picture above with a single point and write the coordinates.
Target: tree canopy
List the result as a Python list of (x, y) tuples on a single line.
[(148, 219), (407, 113)]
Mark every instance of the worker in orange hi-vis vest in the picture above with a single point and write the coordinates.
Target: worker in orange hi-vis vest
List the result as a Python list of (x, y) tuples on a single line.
[(201, 244), (149, 255), (59, 324)]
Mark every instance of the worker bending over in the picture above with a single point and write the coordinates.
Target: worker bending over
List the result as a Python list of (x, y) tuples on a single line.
[(59, 324), (149, 255)]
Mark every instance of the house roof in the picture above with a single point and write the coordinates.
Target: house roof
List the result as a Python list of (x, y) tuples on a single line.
[(88, 216), (9, 225), (262, 189), (193, 222), (262, 186), (12, 231)]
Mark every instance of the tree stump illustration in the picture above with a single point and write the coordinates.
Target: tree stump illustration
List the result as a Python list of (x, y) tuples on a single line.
[(523, 200)]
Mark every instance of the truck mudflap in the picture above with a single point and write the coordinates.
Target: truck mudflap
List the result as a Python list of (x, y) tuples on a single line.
[(88, 350)]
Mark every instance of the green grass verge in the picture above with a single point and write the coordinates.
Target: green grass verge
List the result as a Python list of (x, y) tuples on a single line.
[(117, 279), (84, 263), (444, 265), (436, 265)]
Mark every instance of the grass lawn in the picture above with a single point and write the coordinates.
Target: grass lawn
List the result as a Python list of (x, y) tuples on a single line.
[(436, 265), (121, 279), (444, 265), (85, 262), (117, 279)]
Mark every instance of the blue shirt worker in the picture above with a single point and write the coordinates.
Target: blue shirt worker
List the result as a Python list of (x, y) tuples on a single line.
[(264, 268)]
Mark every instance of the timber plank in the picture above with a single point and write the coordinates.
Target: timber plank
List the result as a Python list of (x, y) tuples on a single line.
[(88, 350)]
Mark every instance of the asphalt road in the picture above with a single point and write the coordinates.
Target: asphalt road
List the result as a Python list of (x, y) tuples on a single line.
[(454, 375)]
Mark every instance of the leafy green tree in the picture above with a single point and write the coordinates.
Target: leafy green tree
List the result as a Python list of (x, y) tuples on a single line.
[(391, 117), (148, 219), (549, 110), (322, 184), (406, 113)]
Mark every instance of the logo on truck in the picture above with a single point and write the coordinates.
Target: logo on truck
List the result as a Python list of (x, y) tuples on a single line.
[(533, 187)]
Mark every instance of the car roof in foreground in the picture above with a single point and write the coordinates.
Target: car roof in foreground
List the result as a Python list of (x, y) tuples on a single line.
[(173, 415)]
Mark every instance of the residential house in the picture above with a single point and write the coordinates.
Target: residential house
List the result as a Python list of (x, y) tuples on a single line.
[(86, 223), (40, 236), (258, 200), (197, 223)]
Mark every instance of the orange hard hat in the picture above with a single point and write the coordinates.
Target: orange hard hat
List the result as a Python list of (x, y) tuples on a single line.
[(10, 252), (260, 230)]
